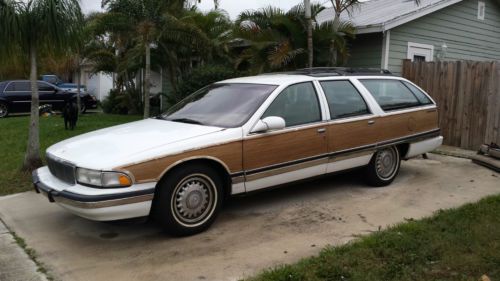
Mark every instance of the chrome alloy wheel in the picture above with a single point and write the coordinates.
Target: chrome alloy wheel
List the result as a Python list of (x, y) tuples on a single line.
[(386, 162), (3, 110), (194, 200)]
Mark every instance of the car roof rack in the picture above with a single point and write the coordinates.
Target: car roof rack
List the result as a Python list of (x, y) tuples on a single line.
[(338, 71)]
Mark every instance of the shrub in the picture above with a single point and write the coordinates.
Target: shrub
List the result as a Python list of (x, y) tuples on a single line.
[(122, 102), (201, 77)]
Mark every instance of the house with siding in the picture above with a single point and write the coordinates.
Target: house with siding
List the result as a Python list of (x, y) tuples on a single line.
[(389, 31)]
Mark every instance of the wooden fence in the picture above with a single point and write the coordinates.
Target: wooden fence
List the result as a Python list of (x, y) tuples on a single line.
[(468, 97)]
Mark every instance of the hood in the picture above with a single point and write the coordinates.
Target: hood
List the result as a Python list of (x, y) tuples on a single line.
[(115, 146)]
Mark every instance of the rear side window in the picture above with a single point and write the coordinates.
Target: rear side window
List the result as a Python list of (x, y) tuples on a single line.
[(10, 87), (391, 94), (343, 99), (422, 98), (19, 87), (298, 104)]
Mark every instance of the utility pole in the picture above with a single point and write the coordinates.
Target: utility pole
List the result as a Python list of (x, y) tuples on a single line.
[(307, 6)]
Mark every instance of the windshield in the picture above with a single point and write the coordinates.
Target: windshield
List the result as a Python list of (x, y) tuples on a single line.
[(220, 105)]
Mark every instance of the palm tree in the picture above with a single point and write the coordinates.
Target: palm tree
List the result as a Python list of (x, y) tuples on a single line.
[(37, 26), (276, 38), (149, 19), (216, 27), (118, 44)]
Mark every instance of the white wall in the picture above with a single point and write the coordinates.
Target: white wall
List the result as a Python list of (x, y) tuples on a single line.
[(98, 84), (156, 82)]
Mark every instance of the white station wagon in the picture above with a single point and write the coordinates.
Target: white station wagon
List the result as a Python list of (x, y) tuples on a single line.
[(238, 136)]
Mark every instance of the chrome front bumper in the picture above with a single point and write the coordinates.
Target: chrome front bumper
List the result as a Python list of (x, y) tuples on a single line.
[(100, 207)]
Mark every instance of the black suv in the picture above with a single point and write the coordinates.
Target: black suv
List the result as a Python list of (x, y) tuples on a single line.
[(15, 97)]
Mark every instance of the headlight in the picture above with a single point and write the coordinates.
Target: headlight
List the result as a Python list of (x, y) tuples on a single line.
[(102, 179)]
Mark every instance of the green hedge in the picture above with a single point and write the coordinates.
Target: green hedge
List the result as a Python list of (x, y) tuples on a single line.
[(201, 77)]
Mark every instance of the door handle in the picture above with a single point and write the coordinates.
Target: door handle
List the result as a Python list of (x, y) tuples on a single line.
[(371, 122), (321, 131)]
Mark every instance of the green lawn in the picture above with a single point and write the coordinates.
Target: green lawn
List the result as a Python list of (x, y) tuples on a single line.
[(459, 244), (13, 141)]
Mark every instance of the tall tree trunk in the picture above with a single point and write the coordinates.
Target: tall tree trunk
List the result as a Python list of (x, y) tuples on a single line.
[(333, 51), (307, 6), (78, 82), (32, 158), (147, 81)]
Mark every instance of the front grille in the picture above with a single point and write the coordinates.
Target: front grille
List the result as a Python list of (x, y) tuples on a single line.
[(61, 169)]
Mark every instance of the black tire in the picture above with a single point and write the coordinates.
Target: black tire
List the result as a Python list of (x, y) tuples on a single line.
[(83, 107), (383, 167), (4, 110), (197, 185)]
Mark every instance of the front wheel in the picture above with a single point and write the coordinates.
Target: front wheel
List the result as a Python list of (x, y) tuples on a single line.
[(83, 108), (188, 200), (383, 167)]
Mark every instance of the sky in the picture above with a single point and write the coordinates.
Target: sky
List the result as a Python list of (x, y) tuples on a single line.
[(233, 7)]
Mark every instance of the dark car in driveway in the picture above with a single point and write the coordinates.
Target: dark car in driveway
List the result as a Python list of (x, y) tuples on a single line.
[(15, 97)]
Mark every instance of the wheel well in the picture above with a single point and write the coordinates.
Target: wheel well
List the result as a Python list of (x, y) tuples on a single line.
[(221, 170), (403, 149)]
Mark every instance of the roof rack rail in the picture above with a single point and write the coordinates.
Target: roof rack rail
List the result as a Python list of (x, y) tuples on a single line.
[(338, 71)]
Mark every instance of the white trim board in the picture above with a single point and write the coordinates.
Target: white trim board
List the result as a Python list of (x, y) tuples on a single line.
[(481, 10), (424, 50), (386, 42)]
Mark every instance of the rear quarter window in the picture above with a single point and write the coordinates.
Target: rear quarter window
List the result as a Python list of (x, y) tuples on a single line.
[(421, 96), (392, 94)]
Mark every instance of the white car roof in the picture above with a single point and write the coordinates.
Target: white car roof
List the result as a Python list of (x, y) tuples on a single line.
[(271, 79)]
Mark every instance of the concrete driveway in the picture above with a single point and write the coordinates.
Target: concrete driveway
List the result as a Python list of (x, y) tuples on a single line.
[(254, 232)]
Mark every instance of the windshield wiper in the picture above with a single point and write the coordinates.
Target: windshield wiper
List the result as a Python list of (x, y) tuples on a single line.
[(186, 120)]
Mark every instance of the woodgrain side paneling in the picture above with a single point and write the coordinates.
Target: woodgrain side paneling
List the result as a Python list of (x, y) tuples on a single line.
[(276, 148), (229, 154), (343, 136), (405, 124)]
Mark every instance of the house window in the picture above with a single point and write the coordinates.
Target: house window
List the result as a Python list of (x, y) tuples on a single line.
[(418, 58), (420, 52), (481, 10)]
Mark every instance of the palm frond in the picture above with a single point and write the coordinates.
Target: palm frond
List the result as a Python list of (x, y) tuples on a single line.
[(283, 54)]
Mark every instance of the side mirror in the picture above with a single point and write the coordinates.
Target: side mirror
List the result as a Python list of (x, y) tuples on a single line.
[(270, 123)]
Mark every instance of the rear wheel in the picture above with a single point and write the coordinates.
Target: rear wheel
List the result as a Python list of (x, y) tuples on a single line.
[(383, 167), (4, 110), (188, 200)]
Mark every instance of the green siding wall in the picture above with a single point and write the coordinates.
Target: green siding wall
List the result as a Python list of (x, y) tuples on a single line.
[(467, 37), (366, 51)]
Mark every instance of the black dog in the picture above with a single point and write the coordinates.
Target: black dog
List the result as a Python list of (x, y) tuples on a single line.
[(70, 114)]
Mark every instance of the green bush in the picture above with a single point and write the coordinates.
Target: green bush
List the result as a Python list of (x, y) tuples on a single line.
[(128, 102), (201, 77)]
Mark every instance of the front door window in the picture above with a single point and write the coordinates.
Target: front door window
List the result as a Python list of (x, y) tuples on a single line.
[(297, 104)]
